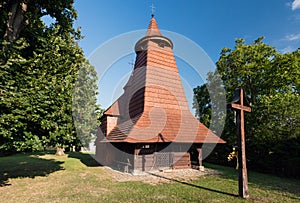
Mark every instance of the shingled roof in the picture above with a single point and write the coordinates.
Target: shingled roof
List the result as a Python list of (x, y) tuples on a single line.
[(153, 107)]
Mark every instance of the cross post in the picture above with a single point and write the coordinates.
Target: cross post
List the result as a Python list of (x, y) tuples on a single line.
[(239, 106)]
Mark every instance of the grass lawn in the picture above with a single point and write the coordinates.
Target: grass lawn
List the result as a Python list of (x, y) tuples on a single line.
[(40, 177)]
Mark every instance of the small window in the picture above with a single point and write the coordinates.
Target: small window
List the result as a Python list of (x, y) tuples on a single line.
[(162, 45), (146, 146)]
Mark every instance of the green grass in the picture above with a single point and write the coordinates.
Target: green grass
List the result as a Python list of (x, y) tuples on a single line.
[(41, 177)]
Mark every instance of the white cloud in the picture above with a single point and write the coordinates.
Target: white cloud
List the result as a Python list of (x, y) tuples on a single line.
[(293, 37), (296, 4)]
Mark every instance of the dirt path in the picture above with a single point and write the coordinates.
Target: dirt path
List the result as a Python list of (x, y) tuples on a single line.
[(156, 177)]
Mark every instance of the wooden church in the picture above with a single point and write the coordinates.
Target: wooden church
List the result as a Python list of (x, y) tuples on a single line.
[(150, 127)]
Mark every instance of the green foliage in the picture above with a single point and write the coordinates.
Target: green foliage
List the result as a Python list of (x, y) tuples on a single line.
[(210, 104), (20, 18), (202, 104), (271, 82), (85, 113), (38, 71)]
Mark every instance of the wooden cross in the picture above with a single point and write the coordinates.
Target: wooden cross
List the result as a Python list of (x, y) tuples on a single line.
[(152, 9), (238, 104)]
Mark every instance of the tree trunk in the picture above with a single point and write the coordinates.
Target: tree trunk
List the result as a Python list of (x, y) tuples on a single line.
[(60, 151), (15, 22)]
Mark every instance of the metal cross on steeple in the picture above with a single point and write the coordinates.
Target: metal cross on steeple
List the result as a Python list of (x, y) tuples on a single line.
[(152, 10)]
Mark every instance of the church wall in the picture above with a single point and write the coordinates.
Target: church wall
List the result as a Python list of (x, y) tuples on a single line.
[(104, 158), (148, 157), (181, 160), (111, 123), (115, 155), (103, 125), (155, 157), (174, 160)]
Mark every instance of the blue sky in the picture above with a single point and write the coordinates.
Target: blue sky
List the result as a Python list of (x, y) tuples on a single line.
[(211, 24)]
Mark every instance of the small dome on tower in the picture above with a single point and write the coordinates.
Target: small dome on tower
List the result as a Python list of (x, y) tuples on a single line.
[(153, 34)]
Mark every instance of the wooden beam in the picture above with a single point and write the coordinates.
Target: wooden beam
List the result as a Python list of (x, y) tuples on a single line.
[(136, 154), (238, 106), (199, 149), (243, 177)]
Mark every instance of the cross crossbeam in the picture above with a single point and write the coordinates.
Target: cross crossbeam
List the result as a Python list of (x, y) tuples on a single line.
[(240, 107)]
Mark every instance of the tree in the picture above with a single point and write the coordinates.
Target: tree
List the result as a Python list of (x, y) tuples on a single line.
[(86, 114), (39, 67), (20, 18), (271, 81), (202, 104)]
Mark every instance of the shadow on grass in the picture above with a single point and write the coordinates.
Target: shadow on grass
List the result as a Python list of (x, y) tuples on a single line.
[(260, 180), (196, 186), (85, 158), (26, 166)]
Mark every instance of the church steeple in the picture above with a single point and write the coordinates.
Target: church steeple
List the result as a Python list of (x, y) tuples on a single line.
[(153, 29), (153, 104)]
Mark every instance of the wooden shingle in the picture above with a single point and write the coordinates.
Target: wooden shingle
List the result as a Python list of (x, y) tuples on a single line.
[(153, 107)]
